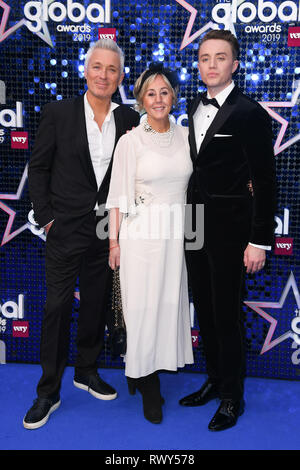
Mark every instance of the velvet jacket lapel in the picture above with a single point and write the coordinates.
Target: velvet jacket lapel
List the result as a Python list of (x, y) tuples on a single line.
[(221, 117), (192, 138)]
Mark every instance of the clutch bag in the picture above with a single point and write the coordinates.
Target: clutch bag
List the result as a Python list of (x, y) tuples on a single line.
[(118, 337)]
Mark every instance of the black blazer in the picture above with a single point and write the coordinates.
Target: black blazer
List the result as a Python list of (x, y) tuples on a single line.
[(62, 182), (225, 165)]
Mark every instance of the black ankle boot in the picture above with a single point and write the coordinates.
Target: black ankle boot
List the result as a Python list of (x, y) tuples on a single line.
[(149, 387), (131, 385)]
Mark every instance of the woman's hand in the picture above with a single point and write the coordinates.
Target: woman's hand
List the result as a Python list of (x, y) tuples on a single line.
[(114, 256)]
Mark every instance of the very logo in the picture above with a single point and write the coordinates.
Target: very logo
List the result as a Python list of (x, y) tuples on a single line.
[(107, 33), (38, 11), (195, 338), (19, 140), (294, 36), (283, 246), (20, 329)]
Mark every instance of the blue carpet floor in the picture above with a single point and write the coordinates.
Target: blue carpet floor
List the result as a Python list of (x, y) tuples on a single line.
[(270, 422)]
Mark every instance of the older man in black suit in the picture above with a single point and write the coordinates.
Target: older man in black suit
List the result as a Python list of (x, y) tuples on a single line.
[(234, 177), (69, 174)]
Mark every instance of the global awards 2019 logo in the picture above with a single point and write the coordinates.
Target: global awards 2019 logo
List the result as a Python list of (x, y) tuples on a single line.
[(228, 14), (37, 14)]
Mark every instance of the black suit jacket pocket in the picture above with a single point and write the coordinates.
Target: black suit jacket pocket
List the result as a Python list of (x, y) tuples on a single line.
[(221, 136)]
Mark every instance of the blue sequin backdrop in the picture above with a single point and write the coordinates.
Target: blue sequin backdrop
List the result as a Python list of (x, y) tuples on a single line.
[(45, 65)]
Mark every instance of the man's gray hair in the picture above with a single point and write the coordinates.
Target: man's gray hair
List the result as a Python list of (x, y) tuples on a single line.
[(108, 44)]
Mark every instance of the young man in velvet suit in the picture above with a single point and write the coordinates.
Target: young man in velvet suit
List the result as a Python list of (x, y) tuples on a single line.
[(69, 175), (234, 177)]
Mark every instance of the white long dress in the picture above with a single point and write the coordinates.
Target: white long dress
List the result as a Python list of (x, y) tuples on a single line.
[(148, 184)]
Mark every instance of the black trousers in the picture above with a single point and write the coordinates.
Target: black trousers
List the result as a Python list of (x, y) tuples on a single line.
[(82, 255), (216, 278)]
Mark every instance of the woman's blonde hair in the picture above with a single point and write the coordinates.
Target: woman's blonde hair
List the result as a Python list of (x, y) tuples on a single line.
[(140, 90)]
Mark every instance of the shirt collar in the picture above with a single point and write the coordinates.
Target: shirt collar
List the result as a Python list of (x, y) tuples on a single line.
[(221, 97), (89, 110)]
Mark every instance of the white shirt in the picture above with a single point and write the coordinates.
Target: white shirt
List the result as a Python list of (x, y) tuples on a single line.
[(101, 142), (203, 118)]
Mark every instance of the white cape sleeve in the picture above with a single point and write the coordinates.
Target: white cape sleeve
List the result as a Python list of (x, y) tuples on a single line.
[(122, 184)]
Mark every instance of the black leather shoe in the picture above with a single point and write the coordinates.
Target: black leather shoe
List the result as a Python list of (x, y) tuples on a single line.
[(227, 414), (207, 392), (40, 411), (95, 386)]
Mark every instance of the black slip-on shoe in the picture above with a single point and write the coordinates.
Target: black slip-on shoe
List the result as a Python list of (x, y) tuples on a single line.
[(95, 386), (40, 411)]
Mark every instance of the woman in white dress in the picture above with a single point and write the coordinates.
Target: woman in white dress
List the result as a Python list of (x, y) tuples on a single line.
[(146, 199)]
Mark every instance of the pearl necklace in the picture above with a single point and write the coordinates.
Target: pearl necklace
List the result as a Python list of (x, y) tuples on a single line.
[(163, 139)]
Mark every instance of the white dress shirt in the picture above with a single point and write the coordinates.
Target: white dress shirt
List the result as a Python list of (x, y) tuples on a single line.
[(101, 142), (203, 118)]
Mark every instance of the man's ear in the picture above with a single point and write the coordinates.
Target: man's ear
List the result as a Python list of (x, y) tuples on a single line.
[(121, 78), (235, 65)]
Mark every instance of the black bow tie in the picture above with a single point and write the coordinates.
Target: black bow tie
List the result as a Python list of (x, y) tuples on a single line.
[(212, 101)]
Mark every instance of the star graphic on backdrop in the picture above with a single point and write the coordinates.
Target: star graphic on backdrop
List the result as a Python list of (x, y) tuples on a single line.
[(16, 196), (188, 38), (124, 98), (268, 105), (5, 33), (259, 306), (8, 234)]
